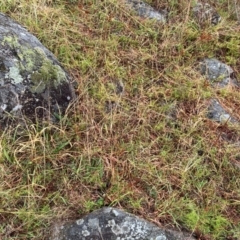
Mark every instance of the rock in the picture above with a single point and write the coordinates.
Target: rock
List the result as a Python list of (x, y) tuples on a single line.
[(113, 224), (220, 75), (32, 82), (203, 13), (119, 87), (145, 10), (111, 106), (217, 113), (217, 72)]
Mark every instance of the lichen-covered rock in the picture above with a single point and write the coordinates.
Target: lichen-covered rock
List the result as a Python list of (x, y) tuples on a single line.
[(145, 10), (32, 82), (217, 72), (113, 224), (205, 13)]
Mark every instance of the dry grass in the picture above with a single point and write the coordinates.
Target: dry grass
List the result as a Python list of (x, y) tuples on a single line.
[(125, 150)]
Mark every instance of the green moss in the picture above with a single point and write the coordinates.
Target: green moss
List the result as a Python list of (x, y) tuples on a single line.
[(48, 74), (11, 41)]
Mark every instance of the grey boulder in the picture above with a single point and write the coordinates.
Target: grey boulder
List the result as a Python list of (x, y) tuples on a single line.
[(205, 13), (217, 113), (217, 72), (33, 85), (219, 75), (113, 224), (145, 10)]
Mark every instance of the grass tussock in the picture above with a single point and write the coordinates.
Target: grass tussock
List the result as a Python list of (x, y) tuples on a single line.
[(148, 147)]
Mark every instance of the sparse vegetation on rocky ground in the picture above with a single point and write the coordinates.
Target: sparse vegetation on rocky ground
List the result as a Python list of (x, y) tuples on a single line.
[(120, 144)]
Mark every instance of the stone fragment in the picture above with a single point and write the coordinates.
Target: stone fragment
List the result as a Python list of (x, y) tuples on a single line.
[(119, 87), (217, 72), (32, 82), (111, 106), (220, 75), (217, 113), (114, 104), (114, 224), (145, 10), (205, 13)]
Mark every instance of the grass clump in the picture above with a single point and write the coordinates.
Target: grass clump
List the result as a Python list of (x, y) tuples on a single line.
[(150, 149)]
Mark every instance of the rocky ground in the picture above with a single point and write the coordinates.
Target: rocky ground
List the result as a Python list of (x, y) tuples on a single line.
[(141, 117)]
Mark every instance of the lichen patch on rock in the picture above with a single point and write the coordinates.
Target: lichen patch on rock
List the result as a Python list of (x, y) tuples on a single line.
[(32, 82)]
